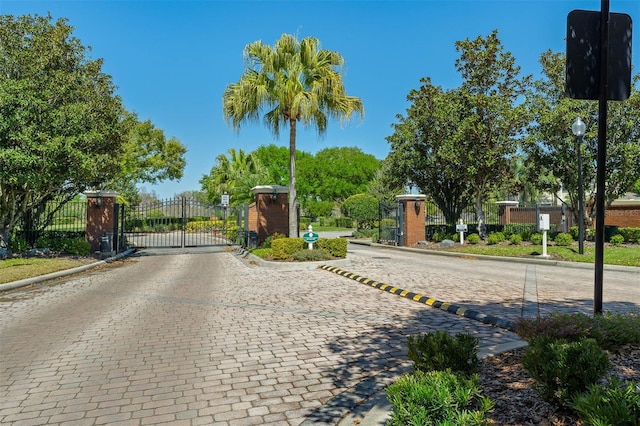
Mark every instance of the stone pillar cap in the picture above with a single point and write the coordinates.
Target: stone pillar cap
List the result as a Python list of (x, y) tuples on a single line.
[(270, 189), (92, 194), (411, 197)]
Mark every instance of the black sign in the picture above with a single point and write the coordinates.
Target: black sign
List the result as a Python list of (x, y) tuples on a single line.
[(583, 56)]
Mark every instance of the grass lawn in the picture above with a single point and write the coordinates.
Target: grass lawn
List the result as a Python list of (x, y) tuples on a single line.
[(21, 268), (623, 255)]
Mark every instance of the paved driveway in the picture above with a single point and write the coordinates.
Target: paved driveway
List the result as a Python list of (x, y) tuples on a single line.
[(205, 337)]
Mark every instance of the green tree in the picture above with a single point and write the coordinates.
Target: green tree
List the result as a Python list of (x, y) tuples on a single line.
[(293, 81), (61, 126), (469, 134), (385, 186), (341, 172), (149, 157), (363, 208), (552, 147), (235, 175)]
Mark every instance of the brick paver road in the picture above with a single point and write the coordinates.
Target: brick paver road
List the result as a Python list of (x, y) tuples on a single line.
[(189, 337)]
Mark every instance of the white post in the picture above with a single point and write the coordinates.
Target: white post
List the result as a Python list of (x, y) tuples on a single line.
[(544, 243), (310, 229)]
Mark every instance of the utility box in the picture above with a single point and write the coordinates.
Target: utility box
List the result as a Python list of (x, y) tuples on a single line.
[(543, 222)]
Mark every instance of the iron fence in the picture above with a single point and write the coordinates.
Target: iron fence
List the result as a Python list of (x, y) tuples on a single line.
[(52, 221)]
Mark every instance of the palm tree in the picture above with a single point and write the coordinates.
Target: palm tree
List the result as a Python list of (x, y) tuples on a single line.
[(235, 175), (290, 82)]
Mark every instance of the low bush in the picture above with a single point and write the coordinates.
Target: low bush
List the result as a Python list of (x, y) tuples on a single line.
[(437, 398), (495, 238), (523, 229), (283, 248), (267, 241), (515, 239), (76, 246), (440, 351), (562, 369), (612, 404), (616, 240), (311, 255), (536, 239), (564, 239), (610, 330), (473, 239), (335, 247), (631, 235)]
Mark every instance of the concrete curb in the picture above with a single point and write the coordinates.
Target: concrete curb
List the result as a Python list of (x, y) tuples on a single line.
[(525, 260), (28, 281), (453, 309)]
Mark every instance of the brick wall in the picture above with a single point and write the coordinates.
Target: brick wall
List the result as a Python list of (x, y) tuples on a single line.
[(414, 212), (268, 215), (100, 218), (624, 215)]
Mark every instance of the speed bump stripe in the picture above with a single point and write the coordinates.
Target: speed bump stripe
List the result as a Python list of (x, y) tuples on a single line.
[(445, 306)]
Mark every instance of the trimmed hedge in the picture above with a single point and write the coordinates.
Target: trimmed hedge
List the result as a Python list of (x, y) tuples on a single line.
[(283, 248), (336, 247)]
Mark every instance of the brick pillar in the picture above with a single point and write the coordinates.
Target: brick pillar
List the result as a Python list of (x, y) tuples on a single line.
[(414, 219), (100, 217), (271, 211)]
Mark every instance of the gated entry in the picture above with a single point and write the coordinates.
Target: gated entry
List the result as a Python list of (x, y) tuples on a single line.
[(182, 222), (390, 224)]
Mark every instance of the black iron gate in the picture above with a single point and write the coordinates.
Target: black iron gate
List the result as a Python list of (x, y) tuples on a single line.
[(390, 224), (182, 222)]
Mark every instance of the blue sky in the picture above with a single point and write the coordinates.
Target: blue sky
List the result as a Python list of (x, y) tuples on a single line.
[(172, 60)]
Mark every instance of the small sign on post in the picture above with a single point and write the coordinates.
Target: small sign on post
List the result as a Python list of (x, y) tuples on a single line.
[(461, 228), (225, 199), (544, 226), (310, 237)]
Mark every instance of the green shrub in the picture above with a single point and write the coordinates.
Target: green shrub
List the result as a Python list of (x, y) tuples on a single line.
[(440, 351), (564, 239), (335, 247), (283, 248), (575, 233), (344, 222), (612, 404), (311, 255), (563, 369), (437, 398), (473, 238), (616, 240), (303, 223), (18, 245), (77, 246), (536, 239), (523, 229), (267, 241), (515, 239), (631, 235), (495, 238), (610, 330)]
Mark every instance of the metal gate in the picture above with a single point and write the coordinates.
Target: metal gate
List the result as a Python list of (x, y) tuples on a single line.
[(182, 222), (390, 224)]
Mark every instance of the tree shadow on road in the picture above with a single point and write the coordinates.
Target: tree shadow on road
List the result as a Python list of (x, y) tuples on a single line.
[(375, 360)]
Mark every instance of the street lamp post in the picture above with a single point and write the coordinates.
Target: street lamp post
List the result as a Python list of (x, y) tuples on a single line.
[(578, 128)]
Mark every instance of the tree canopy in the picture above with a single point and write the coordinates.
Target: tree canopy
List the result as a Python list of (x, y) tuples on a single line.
[(457, 145), (61, 125), (552, 147), (293, 81)]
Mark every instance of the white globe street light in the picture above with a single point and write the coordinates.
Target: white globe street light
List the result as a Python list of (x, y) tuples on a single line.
[(579, 128)]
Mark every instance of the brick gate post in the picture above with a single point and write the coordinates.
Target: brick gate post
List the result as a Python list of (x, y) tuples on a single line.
[(414, 219), (100, 219), (271, 211)]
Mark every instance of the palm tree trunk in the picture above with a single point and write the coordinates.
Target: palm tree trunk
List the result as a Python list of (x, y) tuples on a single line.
[(293, 196)]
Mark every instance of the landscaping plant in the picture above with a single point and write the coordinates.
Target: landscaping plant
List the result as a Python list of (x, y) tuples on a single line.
[(441, 351)]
